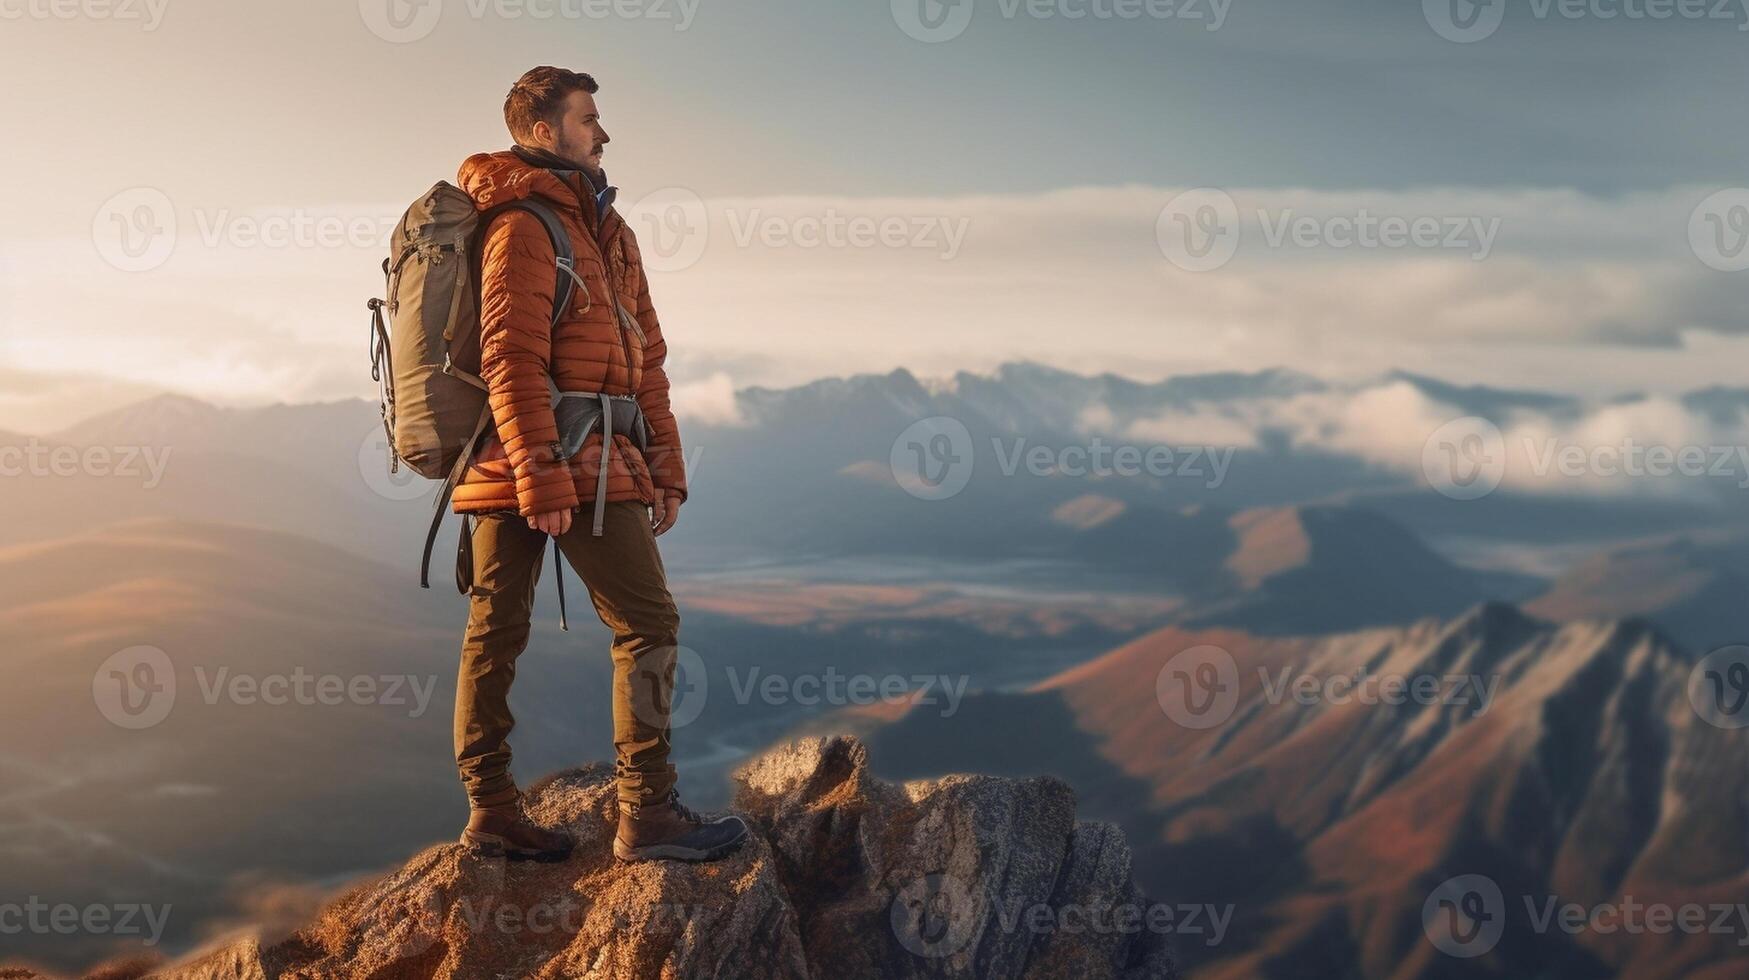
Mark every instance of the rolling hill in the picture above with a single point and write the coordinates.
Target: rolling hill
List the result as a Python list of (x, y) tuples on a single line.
[(232, 782), (1693, 586), (306, 696)]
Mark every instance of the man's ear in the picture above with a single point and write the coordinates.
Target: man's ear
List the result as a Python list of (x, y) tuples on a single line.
[(542, 133)]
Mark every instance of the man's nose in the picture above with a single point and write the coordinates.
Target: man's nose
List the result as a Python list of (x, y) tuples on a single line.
[(605, 139)]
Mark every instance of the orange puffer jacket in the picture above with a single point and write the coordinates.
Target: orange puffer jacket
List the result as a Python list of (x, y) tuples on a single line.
[(588, 350)]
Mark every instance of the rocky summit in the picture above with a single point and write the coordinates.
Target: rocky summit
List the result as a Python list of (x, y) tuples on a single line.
[(844, 876)]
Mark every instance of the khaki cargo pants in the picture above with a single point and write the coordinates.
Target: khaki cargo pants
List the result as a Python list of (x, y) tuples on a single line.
[(629, 587)]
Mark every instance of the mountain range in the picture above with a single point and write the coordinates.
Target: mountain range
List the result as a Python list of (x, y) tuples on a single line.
[(272, 543), (1304, 532), (774, 475), (1560, 763)]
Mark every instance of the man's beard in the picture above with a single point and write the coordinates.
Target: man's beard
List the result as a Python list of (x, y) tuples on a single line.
[(582, 157)]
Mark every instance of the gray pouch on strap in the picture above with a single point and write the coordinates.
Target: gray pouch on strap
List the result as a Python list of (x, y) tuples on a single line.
[(578, 413)]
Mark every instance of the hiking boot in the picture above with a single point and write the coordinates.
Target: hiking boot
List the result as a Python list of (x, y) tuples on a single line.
[(504, 831), (667, 831)]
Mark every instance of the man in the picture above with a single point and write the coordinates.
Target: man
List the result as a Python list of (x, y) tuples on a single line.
[(521, 489)]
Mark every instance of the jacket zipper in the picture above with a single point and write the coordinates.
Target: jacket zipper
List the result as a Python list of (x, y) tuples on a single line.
[(587, 201), (619, 323)]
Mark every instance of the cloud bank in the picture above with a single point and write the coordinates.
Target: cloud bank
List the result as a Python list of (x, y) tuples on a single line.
[(1549, 287)]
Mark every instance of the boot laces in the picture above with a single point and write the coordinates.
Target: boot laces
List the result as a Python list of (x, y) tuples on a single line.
[(681, 810)]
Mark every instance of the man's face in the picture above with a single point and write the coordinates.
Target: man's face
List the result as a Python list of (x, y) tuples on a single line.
[(578, 136)]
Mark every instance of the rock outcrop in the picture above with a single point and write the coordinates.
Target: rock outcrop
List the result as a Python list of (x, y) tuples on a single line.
[(844, 876)]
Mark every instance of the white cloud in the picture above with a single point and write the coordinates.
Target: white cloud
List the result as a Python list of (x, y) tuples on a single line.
[(1385, 424), (708, 401), (1649, 446), (791, 288)]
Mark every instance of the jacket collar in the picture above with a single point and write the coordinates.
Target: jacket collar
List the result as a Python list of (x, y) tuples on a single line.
[(594, 182)]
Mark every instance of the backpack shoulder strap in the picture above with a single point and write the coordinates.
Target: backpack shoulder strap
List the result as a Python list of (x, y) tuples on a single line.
[(564, 256), (564, 288)]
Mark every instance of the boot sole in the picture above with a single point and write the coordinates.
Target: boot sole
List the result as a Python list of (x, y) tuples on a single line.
[(674, 852), (491, 846)]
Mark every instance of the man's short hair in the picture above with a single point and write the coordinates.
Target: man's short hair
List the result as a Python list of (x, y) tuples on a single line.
[(540, 94)]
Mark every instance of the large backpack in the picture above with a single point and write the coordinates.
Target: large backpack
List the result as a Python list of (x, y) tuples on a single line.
[(425, 341)]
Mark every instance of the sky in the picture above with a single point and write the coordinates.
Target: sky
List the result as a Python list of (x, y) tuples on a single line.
[(1539, 194)]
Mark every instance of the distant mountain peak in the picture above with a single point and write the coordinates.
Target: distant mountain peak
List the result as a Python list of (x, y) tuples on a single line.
[(1032, 371), (153, 419), (1494, 615), (1690, 584), (1482, 400), (901, 376), (168, 403)]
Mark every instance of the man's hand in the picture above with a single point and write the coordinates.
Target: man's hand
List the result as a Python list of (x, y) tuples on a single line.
[(553, 522), (665, 512)]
